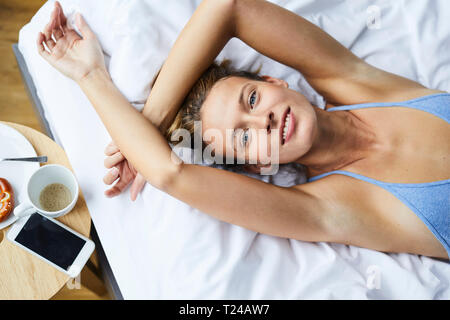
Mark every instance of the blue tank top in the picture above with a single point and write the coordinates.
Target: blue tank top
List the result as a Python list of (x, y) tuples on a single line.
[(429, 201)]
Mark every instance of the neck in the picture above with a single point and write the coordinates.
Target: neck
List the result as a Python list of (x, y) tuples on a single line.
[(341, 140)]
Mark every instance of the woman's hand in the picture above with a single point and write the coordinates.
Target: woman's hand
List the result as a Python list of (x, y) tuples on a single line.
[(123, 170), (72, 55)]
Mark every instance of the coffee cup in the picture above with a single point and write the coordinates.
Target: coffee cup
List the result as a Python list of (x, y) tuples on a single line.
[(52, 190)]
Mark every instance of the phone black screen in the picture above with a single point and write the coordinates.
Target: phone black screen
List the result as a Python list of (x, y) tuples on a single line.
[(50, 241)]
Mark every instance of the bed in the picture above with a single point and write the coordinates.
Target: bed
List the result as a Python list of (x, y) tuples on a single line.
[(160, 248)]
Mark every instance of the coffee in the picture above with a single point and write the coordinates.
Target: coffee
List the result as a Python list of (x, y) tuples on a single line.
[(55, 197)]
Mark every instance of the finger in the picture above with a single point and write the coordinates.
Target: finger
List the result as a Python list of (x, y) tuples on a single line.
[(50, 44), (85, 30), (40, 46), (48, 35), (118, 188), (49, 27), (137, 186), (111, 148), (111, 176), (57, 30), (62, 17), (111, 161)]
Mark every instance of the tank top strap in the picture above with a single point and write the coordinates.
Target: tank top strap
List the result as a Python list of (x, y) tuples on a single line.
[(386, 185), (346, 173), (437, 104)]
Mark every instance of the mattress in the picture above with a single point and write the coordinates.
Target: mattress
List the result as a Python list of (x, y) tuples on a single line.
[(161, 248)]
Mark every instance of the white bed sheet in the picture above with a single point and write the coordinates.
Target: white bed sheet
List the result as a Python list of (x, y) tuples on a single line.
[(159, 247)]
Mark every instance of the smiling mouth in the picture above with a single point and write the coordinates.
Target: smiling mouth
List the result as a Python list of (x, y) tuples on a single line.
[(285, 124)]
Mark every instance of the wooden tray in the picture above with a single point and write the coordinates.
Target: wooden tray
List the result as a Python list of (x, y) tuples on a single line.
[(22, 275)]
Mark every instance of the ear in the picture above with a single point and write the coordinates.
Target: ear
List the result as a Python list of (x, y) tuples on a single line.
[(276, 81), (255, 168)]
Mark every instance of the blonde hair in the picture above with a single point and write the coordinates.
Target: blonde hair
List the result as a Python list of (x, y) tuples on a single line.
[(189, 111)]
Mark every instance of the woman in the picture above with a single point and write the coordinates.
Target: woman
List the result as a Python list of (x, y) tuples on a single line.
[(403, 147)]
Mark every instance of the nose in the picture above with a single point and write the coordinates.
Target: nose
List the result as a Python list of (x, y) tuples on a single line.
[(263, 121), (270, 122)]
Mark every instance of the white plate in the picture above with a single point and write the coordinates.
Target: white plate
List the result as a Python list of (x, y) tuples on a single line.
[(13, 144)]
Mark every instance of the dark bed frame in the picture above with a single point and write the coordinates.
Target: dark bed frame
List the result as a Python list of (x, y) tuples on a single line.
[(105, 270)]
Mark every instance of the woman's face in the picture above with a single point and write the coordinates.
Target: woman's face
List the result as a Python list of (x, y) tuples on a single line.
[(266, 117)]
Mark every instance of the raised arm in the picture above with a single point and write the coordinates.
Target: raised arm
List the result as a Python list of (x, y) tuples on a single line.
[(333, 70), (236, 199), (201, 40)]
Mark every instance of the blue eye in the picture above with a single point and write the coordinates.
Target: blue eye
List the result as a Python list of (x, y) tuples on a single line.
[(252, 100), (245, 138)]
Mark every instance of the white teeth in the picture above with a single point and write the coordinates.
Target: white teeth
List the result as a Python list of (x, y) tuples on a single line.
[(286, 126)]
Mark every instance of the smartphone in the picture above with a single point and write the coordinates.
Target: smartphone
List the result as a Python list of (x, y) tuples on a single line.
[(53, 242)]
